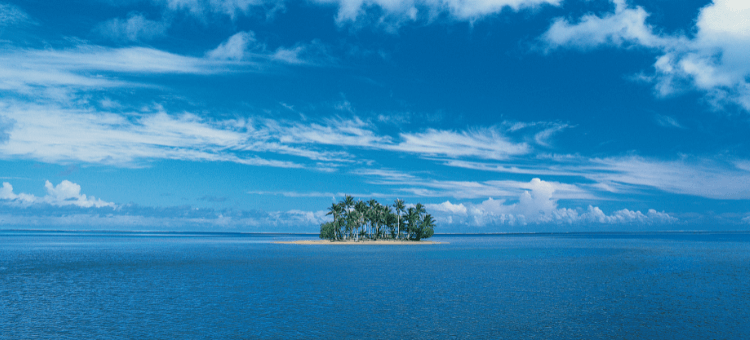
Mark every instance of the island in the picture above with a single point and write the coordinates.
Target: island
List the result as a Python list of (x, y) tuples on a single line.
[(371, 223)]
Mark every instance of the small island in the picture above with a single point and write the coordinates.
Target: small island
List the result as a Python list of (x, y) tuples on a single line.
[(373, 223)]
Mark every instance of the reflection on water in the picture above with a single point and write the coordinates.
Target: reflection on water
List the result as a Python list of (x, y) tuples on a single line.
[(195, 286)]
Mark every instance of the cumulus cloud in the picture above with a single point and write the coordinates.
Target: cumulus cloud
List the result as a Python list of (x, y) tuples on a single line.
[(135, 28), (64, 194), (235, 48), (714, 60), (625, 26), (537, 206)]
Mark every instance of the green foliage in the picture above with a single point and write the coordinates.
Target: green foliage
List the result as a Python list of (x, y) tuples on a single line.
[(327, 231), (357, 220)]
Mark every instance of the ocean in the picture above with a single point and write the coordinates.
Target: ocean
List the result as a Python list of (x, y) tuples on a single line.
[(131, 285)]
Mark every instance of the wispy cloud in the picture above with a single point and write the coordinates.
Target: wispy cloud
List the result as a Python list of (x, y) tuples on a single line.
[(12, 15), (58, 135), (202, 9), (391, 14), (667, 121), (629, 174), (84, 66), (135, 28), (487, 143)]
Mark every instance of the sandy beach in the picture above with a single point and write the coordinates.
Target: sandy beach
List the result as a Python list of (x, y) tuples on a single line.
[(361, 243)]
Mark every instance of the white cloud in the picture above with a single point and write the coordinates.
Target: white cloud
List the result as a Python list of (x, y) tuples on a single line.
[(47, 72), (713, 61), (631, 174), (448, 207), (232, 8), (537, 206), (64, 194), (135, 28), (625, 25), (235, 48), (244, 46), (485, 143), (12, 15), (700, 177), (57, 135), (669, 122), (471, 189), (543, 137), (393, 12)]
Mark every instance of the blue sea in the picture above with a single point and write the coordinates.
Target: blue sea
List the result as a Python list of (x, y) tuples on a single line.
[(129, 285)]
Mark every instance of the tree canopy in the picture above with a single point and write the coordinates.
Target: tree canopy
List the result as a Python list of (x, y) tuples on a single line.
[(371, 220)]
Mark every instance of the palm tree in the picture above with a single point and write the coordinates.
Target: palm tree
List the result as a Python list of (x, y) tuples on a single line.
[(335, 210), (350, 217), (426, 228), (372, 213), (348, 203), (411, 217), (361, 209), (419, 208), (399, 206)]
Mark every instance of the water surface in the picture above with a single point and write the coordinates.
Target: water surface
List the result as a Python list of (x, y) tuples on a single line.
[(107, 285)]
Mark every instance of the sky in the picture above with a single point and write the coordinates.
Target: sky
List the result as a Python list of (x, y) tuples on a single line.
[(256, 115)]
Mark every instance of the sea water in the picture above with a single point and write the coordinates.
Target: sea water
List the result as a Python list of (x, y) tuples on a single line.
[(108, 285)]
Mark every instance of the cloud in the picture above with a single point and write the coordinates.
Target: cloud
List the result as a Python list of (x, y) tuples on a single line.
[(699, 177), (6, 125), (56, 135), (64, 194), (471, 189), (11, 15), (485, 143), (244, 46), (668, 122), (624, 26), (714, 60), (34, 71), (135, 28), (134, 217), (235, 48), (543, 137), (232, 8), (710, 178), (536, 205), (392, 14)]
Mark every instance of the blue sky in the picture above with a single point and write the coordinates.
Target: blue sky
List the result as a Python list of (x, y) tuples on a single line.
[(254, 115)]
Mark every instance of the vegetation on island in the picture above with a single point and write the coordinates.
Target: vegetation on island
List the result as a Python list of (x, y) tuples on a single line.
[(370, 220)]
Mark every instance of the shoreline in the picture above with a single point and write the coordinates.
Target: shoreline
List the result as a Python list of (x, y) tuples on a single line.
[(360, 243)]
